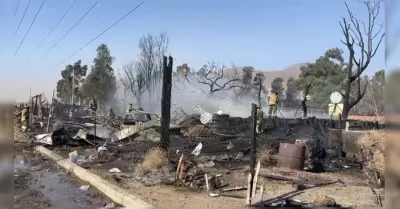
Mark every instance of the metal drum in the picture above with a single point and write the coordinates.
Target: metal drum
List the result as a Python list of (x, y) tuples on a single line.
[(291, 156)]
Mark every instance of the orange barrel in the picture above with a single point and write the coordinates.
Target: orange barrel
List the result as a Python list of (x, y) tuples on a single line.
[(291, 156)]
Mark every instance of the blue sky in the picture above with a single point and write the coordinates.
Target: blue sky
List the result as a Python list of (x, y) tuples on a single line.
[(267, 34)]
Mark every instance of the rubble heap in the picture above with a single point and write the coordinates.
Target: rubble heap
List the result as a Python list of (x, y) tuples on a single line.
[(372, 146)]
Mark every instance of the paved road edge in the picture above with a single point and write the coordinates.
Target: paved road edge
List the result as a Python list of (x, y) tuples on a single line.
[(115, 193)]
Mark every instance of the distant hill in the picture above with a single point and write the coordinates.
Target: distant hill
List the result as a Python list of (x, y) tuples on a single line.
[(291, 71)]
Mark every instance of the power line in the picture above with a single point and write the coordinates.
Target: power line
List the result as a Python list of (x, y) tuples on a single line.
[(17, 7), (69, 30), (23, 16), (123, 17), (119, 20), (55, 26), (33, 21)]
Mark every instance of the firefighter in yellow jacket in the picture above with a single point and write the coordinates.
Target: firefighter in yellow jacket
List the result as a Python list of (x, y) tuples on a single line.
[(25, 118), (259, 115), (273, 102), (130, 108)]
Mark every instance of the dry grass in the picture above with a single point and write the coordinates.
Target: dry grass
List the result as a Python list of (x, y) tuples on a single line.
[(373, 148), (268, 154), (324, 201), (198, 131), (155, 158)]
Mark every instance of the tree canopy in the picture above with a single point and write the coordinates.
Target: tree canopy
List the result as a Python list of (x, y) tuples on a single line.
[(101, 82), (64, 86)]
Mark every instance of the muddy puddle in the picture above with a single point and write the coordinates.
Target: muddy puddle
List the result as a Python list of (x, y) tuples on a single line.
[(41, 186)]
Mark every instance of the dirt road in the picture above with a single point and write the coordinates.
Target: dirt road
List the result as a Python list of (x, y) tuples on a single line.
[(39, 184)]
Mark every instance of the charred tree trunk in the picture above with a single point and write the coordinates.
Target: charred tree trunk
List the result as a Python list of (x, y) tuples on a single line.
[(359, 36), (304, 101), (346, 97), (259, 91), (166, 102), (304, 106), (253, 138)]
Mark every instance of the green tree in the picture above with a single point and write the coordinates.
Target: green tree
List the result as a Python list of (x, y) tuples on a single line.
[(373, 101), (64, 85), (329, 71), (245, 83), (277, 86), (101, 82), (291, 90), (321, 78), (183, 70)]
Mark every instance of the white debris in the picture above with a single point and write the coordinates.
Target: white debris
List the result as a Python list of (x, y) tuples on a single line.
[(177, 152), (73, 156), (229, 146), (219, 112), (205, 117), (84, 187), (208, 164), (102, 148), (224, 157), (110, 205), (240, 155), (115, 170), (197, 150)]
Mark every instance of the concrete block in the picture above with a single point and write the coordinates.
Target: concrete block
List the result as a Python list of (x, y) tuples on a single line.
[(115, 193)]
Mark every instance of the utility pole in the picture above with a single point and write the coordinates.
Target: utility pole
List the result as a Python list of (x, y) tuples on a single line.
[(125, 98), (73, 85), (166, 102)]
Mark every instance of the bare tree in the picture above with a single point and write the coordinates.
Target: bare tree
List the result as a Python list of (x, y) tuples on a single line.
[(134, 79), (152, 50), (359, 36), (213, 75)]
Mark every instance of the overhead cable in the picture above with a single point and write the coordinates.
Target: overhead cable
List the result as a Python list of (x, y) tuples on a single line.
[(112, 25), (54, 27), (17, 7), (33, 21), (22, 19), (69, 30), (123, 17)]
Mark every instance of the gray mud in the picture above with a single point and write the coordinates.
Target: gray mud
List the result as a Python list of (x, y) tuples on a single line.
[(40, 184)]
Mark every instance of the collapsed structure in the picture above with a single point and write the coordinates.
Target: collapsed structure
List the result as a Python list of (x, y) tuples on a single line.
[(202, 145)]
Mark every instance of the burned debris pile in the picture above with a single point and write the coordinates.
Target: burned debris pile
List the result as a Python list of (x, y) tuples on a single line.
[(213, 155)]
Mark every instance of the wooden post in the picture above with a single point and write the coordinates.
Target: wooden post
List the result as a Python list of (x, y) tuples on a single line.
[(253, 138), (50, 112), (40, 113), (255, 179), (253, 151), (30, 121), (95, 145), (166, 102), (340, 135)]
